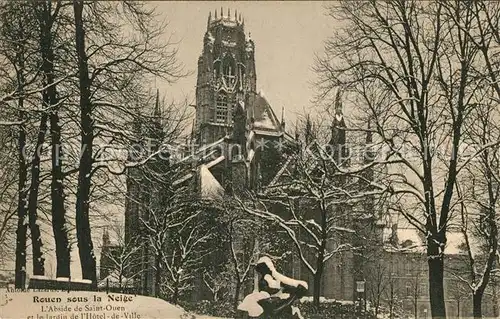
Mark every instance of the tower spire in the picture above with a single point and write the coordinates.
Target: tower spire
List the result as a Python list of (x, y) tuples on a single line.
[(283, 117), (369, 137), (229, 13), (156, 132), (215, 14), (105, 238), (338, 135), (338, 103), (235, 15), (221, 13), (157, 111), (209, 19), (369, 153), (193, 131)]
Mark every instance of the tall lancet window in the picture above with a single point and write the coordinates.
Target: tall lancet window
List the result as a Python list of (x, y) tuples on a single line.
[(221, 108), (229, 72)]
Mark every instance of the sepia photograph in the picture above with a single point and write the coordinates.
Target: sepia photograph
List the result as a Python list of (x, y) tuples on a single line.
[(249, 159)]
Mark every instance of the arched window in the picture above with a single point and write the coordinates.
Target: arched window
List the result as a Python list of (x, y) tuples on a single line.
[(229, 71), (221, 108)]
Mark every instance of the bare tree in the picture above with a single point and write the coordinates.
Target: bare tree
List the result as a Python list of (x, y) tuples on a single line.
[(105, 97), (122, 259), (309, 200), (479, 192), (15, 55), (48, 15), (414, 71), (85, 246), (185, 254), (21, 52), (8, 201), (111, 94), (218, 283), (244, 236), (178, 240), (379, 285)]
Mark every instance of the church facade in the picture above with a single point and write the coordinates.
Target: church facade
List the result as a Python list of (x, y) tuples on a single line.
[(236, 138), (237, 144)]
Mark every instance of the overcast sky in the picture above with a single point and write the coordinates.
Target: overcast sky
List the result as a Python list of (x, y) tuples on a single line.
[(286, 36)]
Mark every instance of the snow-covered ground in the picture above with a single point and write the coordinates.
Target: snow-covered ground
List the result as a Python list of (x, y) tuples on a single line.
[(87, 305)]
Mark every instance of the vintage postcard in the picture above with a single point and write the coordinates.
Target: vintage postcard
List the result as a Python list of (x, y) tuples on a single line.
[(249, 159)]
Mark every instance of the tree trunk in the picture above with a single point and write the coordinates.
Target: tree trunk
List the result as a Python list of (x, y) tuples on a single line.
[(175, 296), (85, 245), (236, 298), (57, 195), (20, 270), (237, 277), (477, 299), (36, 240), (415, 298), (436, 288), (120, 278), (157, 275), (320, 262), (496, 309), (415, 308), (145, 273), (317, 285), (391, 300), (51, 100)]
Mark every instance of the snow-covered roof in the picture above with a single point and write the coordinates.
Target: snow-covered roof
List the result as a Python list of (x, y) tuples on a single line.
[(403, 240), (280, 172), (182, 179), (267, 132), (209, 186), (216, 161), (265, 122), (263, 115), (409, 239)]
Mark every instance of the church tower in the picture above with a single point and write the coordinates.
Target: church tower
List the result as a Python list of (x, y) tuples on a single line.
[(226, 74)]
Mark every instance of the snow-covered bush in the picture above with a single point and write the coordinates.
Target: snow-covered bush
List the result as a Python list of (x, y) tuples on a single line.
[(331, 309)]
